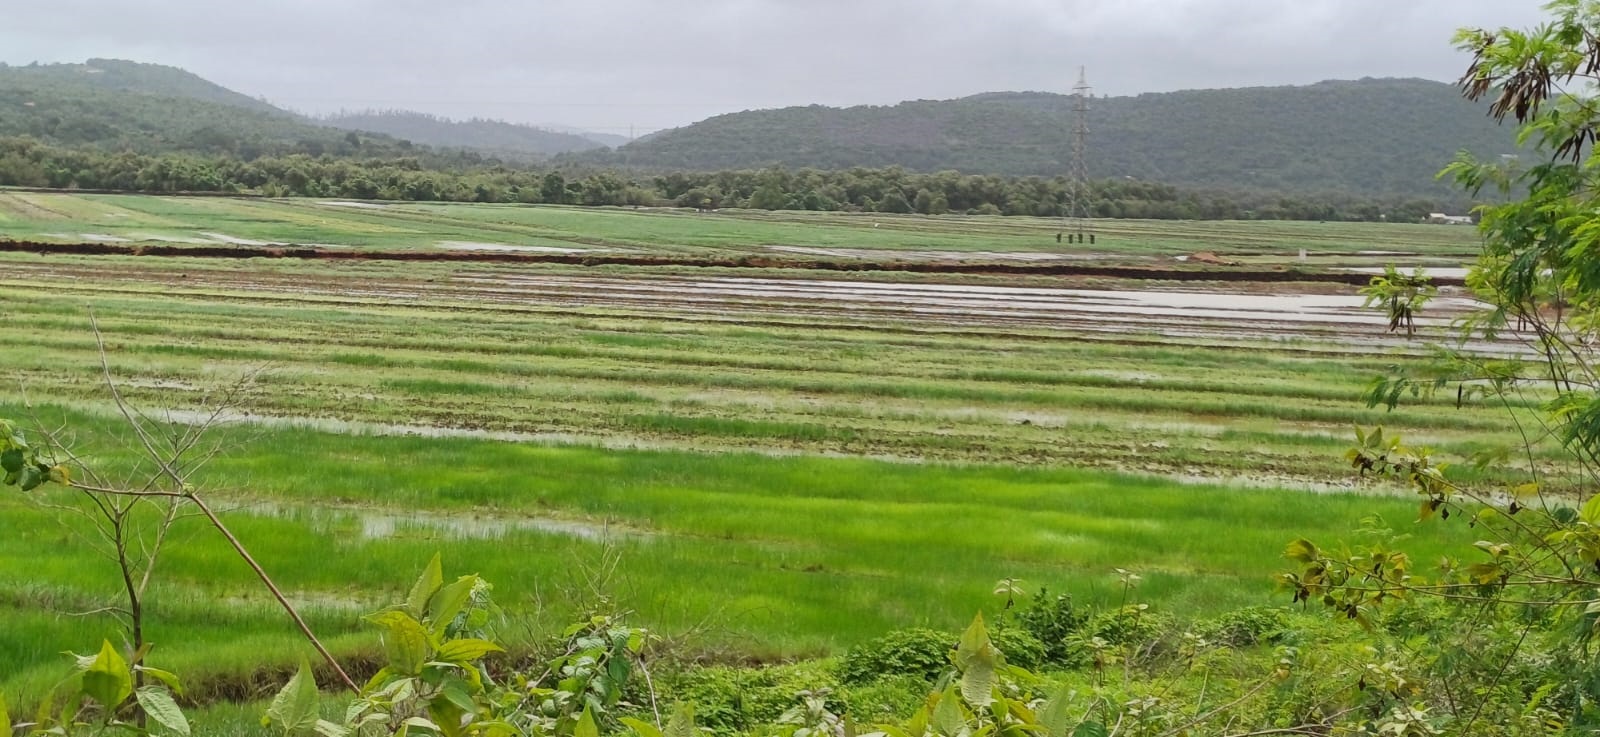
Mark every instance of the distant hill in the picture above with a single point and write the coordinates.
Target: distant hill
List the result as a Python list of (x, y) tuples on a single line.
[(149, 108), (611, 140), (491, 136), (145, 79), (1370, 136)]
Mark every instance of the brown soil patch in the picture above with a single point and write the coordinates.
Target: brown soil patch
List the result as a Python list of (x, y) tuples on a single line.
[(1227, 274)]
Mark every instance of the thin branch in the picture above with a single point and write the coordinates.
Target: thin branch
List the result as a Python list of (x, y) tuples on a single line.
[(167, 469), (305, 629), (1220, 709)]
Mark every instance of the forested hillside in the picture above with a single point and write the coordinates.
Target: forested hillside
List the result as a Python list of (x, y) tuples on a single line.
[(147, 108), (490, 136), (1376, 136)]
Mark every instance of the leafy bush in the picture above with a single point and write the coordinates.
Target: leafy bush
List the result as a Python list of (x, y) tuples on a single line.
[(887, 698), (919, 652), (1019, 646), (1053, 620), (1130, 625), (733, 700), (1245, 627)]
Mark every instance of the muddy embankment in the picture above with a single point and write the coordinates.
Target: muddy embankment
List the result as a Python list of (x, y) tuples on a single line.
[(1212, 274)]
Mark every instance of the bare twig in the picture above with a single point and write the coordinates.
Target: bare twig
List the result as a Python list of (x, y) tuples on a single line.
[(168, 468)]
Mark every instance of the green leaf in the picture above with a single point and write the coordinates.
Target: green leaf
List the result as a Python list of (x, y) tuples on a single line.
[(457, 692), (106, 677), (166, 677), (295, 707), (448, 601), (640, 727), (1056, 714), (406, 642), (978, 660), (948, 717), (1302, 551), (1590, 512), (448, 714), (158, 704), (681, 723), (30, 478), (420, 723), (5, 719), (979, 679), (973, 641), (329, 729), (11, 460), (586, 726), (466, 650), (1090, 729), (426, 586)]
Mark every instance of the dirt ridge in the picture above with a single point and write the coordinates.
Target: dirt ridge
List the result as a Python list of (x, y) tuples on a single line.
[(1233, 274)]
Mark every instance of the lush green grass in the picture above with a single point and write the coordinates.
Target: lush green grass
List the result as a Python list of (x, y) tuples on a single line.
[(441, 354), (64, 217), (725, 441), (780, 556)]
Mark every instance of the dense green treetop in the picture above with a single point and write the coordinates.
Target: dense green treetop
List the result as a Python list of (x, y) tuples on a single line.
[(1376, 136)]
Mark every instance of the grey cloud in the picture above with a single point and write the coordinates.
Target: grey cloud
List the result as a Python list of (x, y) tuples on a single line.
[(615, 64)]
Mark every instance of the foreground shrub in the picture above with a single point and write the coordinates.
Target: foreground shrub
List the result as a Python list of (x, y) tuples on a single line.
[(915, 652), (733, 700), (1053, 621), (1245, 627), (1019, 646)]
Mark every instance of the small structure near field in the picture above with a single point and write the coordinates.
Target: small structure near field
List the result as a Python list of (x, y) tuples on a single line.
[(1439, 218)]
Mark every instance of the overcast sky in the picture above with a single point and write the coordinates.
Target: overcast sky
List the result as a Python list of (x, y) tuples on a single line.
[(616, 65)]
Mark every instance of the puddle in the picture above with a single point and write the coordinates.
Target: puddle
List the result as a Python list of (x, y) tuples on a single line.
[(1232, 307), (1289, 483), (102, 238), (172, 239), (891, 255), (225, 238), (358, 205), (474, 246), (1440, 272), (306, 600), (382, 524)]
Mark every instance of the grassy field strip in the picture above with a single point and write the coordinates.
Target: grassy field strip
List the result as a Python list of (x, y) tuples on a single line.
[(637, 376), (812, 553), (1192, 316), (675, 232)]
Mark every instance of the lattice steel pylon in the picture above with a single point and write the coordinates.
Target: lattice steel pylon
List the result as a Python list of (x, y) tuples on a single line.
[(1075, 219)]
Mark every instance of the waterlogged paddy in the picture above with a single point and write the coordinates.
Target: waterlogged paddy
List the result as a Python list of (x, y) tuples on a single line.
[(772, 557), (1212, 382), (713, 431), (421, 525)]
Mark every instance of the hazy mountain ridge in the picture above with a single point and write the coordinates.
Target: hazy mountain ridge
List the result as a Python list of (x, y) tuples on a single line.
[(118, 75), (151, 108), (492, 136), (1371, 135)]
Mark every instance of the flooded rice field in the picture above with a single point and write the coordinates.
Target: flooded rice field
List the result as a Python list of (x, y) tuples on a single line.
[(1181, 312)]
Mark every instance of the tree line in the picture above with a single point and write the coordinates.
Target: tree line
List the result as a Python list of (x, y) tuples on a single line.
[(28, 162)]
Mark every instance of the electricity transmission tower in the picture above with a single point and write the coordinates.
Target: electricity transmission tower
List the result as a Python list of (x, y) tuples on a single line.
[(1075, 219)]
